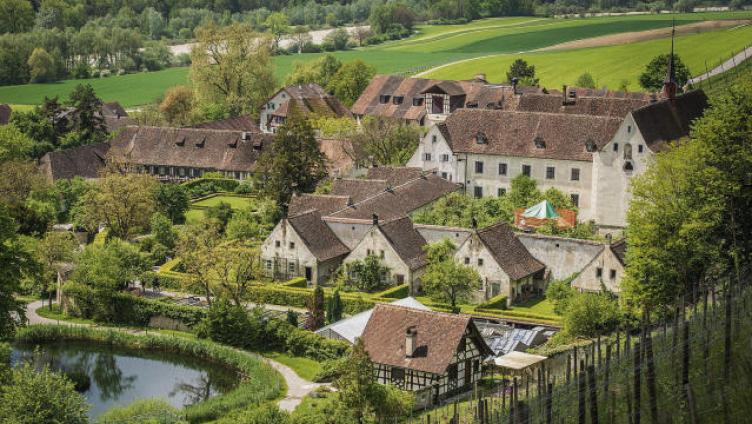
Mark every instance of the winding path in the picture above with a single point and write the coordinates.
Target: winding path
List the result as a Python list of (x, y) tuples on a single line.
[(297, 387), (735, 61)]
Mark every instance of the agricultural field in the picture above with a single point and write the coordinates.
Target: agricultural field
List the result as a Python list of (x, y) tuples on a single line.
[(496, 42)]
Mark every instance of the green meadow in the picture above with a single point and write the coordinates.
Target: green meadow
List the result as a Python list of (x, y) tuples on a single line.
[(432, 46)]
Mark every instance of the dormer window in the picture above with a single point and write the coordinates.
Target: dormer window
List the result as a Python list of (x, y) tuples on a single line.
[(417, 101), (480, 138), (590, 146), (539, 142), (397, 100), (384, 98)]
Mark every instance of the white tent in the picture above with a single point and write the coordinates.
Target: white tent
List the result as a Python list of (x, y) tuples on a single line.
[(518, 361)]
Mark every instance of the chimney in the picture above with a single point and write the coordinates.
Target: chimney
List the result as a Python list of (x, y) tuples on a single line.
[(411, 339), (246, 136), (375, 219)]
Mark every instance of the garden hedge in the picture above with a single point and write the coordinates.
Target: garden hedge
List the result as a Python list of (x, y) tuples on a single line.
[(496, 303), (298, 297), (202, 186), (396, 292)]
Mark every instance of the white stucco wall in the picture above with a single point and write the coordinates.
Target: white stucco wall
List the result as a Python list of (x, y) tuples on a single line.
[(285, 234), (350, 233), (375, 242), (435, 145), (604, 270), (562, 256), (270, 106), (437, 233), (469, 254)]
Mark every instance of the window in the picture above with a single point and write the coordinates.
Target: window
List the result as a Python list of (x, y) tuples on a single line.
[(291, 267), (480, 138), (480, 261), (398, 375), (427, 157), (368, 252), (381, 254), (598, 272), (550, 172), (575, 199), (397, 100), (612, 274), (417, 101), (467, 261), (399, 278), (527, 170), (575, 174), (478, 192), (616, 147), (452, 373), (501, 191), (444, 175), (433, 138), (445, 157), (384, 98), (628, 167), (478, 167), (277, 243), (640, 148), (502, 169), (629, 129), (292, 245), (539, 142), (627, 151), (269, 264), (590, 146)]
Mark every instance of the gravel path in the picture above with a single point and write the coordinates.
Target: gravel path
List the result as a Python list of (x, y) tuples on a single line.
[(725, 66), (297, 387)]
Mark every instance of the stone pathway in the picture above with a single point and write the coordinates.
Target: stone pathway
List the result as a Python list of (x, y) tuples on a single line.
[(297, 387)]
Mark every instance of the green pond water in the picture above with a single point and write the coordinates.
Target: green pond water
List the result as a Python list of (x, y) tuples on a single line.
[(119, 376)]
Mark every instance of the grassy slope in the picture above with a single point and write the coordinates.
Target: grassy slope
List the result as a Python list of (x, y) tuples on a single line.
[(305, 368), (608, 65), (719, 84), (434, 45)]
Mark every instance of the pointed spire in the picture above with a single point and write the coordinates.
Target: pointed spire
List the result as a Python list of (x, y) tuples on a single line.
[(669, 84)]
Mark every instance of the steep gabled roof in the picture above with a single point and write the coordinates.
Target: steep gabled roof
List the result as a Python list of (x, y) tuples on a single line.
[(113, 109), (310, 99), (406, 241), (188, 147), (437, 340), (324, 203), (83, 161), (617, 107), (317, 236), (238, 123), (357, 189), (669, 119), (511, 255), (620, 250), (394, 175), (564, 136)]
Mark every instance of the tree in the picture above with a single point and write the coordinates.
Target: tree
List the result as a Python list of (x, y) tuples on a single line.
[(383, 141), (655, 72), (87, 120), (123, 203), (173, 201), (585, 80), (319, 71), (293, 163), (292, 318), (369, 274), (164, 233), (53, 251), (356, 380), (524, 73), (110, 267), (301, 37), (177, 105), (315, 318), (69, 192), (350, 81), (197, 242), (523, 192), (229, 324), (232, 66), (44, 396), (235, 268), (248, 224), (14, 260), (41, 66), (334, 307), (336, 40), (590, 315), (16, 16), (558, 199), (361, 34), (278, 25), (221, 214), (14, 144), (28, 195), (445, 279)]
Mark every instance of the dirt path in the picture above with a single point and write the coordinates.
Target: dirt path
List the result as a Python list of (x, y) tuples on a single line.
[(736, 60), (297, 387), (633, 37)]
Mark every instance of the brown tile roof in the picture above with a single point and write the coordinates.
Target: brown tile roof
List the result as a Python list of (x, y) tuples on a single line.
[(189, 147), (620, 250), (509, 252), (83, 161), (400, 200), (4, 114), (326, 204), (357, 189), (317, 236), (238, 123), (394, 175), (669, 120), (438, 337), (338, 162), (599, 106), (515, 133), (113, 109), (406, 241), (311, 99)]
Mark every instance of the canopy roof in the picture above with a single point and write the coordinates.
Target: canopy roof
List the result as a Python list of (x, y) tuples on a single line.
[(518, 360), (543, 210)]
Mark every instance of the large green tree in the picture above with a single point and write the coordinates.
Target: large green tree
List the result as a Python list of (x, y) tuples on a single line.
[(655, 72), (173, 201), (351, 80), (52, 253), (445, 279), (14, 260), (16, 16), (86, 123), (383, 141), (293, 163), (14, 144), (523, 72)]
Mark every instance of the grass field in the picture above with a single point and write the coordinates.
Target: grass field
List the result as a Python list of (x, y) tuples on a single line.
[(719, 84), (194, 215), (608, 65), (433, 46)]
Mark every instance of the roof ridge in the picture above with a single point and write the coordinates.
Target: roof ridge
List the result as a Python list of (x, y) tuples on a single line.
[(425, 312), (193, 129), (422, 176)]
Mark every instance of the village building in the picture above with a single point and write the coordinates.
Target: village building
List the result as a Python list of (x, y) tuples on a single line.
[(432, 354), (351, 328), (83, 161), (605, 272), (237, 123), (309, 100), (505, 266)]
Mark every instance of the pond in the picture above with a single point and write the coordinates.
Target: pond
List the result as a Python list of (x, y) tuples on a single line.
[(117, 376)]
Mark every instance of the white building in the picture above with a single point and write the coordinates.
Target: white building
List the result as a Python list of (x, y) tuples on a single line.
[(310, 100)]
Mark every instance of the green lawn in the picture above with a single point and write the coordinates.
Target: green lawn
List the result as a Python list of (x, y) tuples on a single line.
[(608, 65), (540, 306), (234, 201), (437, 45), (304, 367), (56, 314)]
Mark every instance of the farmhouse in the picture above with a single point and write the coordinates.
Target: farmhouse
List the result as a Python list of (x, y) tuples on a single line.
[(433, 354), (83, 161), (310, 100), (504, 264), (176, 154)]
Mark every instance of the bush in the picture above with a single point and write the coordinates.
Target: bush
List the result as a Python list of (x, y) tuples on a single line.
[(498, 303), (145, 411), (330, 370), (299, 282), (200, 187), (396, 292), (298, 297)]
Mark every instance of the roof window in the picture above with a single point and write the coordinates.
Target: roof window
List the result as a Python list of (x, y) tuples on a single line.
[(397, 100), (384, 98), (539, 142), (480, 138), (590, 146)]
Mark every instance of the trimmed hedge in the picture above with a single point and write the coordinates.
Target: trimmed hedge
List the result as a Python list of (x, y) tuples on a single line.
[(298, 297), (496, 303), (202, 186), (298, 282), (259, 382), (397, 292), (282, 335)]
